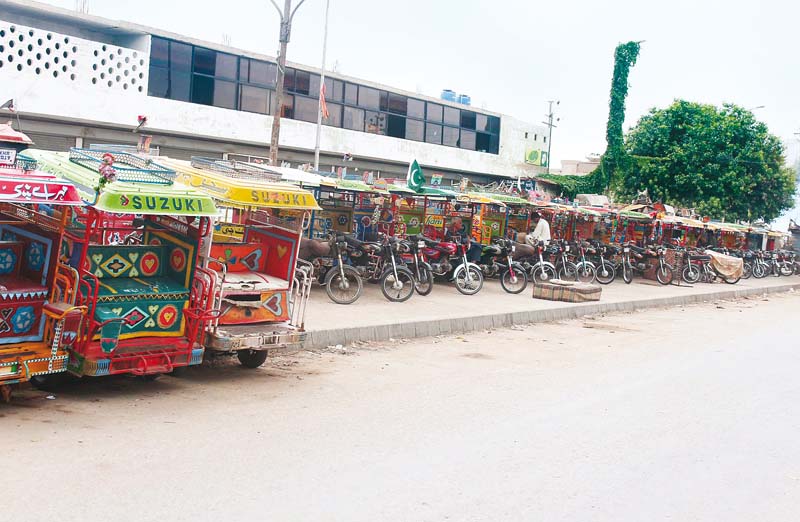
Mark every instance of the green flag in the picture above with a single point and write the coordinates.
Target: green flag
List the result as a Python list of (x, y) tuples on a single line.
[(415, 178)]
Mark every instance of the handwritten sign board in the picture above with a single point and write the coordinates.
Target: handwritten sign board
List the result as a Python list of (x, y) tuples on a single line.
[(8, 156)]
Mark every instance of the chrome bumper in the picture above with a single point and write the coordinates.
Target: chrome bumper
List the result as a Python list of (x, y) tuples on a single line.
[(232, 338)]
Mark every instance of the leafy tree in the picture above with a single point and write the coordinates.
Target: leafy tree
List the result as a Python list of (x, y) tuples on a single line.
[(721, 161)]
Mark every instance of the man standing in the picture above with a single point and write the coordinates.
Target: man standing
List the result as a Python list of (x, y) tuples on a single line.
[(456, 232), (541, 231)]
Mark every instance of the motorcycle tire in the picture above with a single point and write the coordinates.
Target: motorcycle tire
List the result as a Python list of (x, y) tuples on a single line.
[(585, 273), (568, 272), (627, 274), (399, 289), (759, 271), (691, 274), (731, 280), (471, 287), (664, 275), (344, 291), (747, 271), (542, 274), (786, 269), (424, 283), (515, 285), (606, 273)]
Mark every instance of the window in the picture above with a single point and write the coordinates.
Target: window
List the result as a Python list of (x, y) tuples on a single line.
[(337, 92), (203, 90), (180, 86), (204, 61), (452, 116), (263, 73), (244, 69), (434, 112), (482, 122), (288, 80), (368, 98), (159, 52), (158, 85), (396, 126), (375, 122), (302, 82), (225, 94), (468, 120), (353, 118), (351, 94), (398, 104), (416, 109), (287, 111), (494, 124), (384, 104), (467, 140), (226, 67), (494, 144), (180, 57), (450, 137), (305, 109), (433, 133), (254, 99), (482, 142), (334, 115), (415, 130), (544, 138)]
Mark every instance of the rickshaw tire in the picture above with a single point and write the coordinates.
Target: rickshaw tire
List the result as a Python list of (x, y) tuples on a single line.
[(252, 358)]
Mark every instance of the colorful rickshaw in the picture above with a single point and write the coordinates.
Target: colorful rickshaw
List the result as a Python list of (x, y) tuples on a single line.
[(260, 293), (39, 315), (137, 249)]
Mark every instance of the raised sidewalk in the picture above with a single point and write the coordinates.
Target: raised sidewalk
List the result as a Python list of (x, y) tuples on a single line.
[(445, 311)]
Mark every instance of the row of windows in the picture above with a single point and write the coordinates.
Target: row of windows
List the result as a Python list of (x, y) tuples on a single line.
[(183, 72)]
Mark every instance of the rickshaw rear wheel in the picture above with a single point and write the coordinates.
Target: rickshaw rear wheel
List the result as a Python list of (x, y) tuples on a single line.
[(252, 358), (52, 382)]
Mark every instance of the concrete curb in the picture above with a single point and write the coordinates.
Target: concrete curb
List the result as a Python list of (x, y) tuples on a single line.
[(433, 327)]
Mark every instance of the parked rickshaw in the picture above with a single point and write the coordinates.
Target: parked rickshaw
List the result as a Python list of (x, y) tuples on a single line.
[(258, 290), (39, 316), (146, 304)]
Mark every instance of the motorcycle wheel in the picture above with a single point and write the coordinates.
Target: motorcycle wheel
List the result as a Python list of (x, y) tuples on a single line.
[(585, 273), (747, 270), (471, 287), (786, 269), (516, 284), (627, 274), (345, 290), (542, 274), (568, 272), (424, 284), (691, 274), (606, 273), (759, 271), (664, 275), (400, 288)]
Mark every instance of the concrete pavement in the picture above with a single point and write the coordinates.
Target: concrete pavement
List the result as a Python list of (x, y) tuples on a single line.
[(445, 310)]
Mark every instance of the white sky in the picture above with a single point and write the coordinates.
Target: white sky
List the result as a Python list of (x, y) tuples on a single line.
[(513, 55)]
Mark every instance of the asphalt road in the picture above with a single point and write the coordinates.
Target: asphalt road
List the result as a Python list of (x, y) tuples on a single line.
[(682, 414)]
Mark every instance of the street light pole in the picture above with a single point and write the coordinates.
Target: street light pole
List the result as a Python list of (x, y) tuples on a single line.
[(550, 115), (286, 29), (321, 84)]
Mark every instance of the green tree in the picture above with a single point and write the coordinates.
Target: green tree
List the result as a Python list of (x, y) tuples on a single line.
[(721, 161)]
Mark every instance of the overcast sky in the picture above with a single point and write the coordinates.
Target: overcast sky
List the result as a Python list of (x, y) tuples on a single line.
[(513, 55)]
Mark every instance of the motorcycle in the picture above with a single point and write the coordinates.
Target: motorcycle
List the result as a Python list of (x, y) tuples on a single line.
[(542, 271), (606, 270), (342, 282), (449, 260), (664, 271), (585, 271), (497, 261), (420, 268)]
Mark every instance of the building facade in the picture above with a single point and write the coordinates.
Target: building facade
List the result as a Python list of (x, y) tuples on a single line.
[(80, 80)]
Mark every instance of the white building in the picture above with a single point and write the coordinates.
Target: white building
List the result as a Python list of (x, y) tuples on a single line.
[(79, 80)]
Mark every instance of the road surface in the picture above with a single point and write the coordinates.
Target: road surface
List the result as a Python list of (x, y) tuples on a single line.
[(682, 414)]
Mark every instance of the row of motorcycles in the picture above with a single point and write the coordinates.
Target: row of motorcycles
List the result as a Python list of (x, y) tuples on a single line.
[(405, 266)]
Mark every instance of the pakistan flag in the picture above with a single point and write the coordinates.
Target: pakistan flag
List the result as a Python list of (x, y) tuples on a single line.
[(415, 178)]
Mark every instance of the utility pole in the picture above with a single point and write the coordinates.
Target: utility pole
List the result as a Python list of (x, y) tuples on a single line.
[(321, 83), (286, 29), (550, 116)]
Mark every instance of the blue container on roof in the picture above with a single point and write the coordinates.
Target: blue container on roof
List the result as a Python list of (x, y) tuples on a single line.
[(449, 95), (464, 99)]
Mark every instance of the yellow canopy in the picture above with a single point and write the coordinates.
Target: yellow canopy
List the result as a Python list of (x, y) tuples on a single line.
[(242, 191)]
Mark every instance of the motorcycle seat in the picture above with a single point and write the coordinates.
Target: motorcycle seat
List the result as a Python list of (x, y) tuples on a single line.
[(702, 258)]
